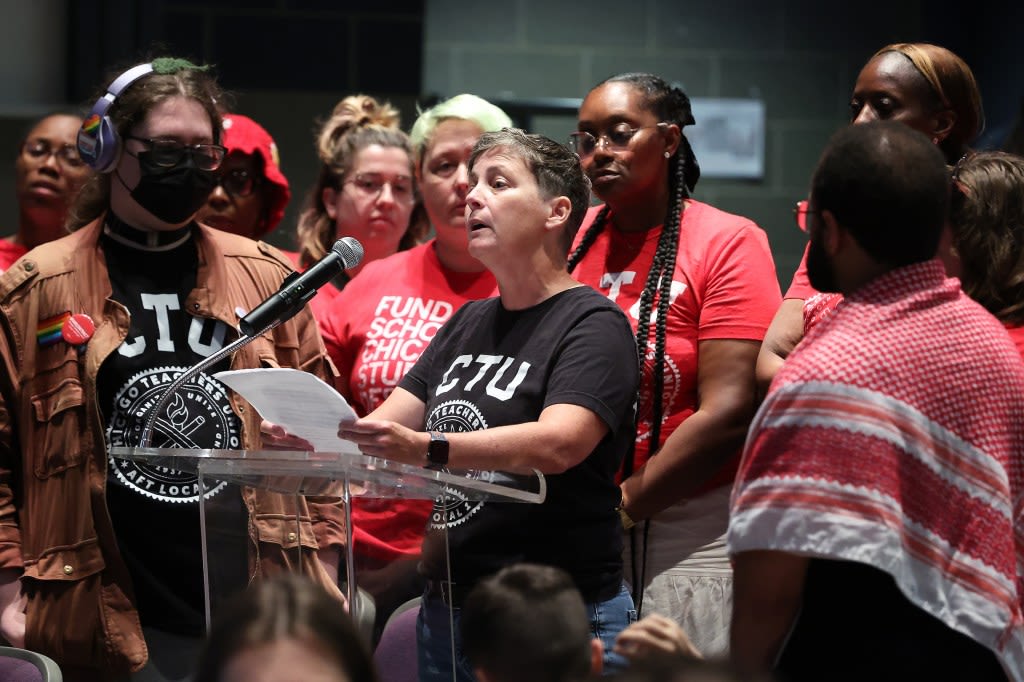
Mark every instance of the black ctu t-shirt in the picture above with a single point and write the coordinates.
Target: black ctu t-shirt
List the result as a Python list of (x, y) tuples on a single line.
[(490, 367), (155, 510)]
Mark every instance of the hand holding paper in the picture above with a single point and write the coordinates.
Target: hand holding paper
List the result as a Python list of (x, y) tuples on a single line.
[(299, 402)]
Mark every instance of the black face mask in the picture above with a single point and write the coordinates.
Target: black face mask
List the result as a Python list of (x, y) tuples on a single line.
[(172, 194)]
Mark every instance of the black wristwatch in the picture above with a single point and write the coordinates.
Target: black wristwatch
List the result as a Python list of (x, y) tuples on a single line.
[(437, 451)]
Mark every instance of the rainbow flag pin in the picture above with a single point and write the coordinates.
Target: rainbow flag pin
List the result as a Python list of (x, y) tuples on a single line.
[(48, 330)]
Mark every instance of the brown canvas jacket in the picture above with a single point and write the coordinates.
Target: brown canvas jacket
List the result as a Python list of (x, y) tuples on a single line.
[(54, 523)]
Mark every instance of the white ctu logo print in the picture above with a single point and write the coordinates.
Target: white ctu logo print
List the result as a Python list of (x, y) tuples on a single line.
[(481, 367), (198, 416)]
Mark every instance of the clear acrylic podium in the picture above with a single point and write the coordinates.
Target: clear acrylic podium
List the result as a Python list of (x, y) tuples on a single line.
[(344, 475)]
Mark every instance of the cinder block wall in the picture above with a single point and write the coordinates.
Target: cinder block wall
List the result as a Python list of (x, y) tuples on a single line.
[(800, 56), (289, 61)]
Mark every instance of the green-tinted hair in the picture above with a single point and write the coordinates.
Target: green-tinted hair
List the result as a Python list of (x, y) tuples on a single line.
[(464, 107)]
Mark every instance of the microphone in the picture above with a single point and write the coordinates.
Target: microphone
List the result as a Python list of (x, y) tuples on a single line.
[(298, 288)]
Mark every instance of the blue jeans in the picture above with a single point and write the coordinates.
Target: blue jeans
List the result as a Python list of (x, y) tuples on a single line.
[(434, 638)]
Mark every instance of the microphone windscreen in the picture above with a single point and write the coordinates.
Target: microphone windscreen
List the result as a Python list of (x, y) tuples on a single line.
[(349, 250)]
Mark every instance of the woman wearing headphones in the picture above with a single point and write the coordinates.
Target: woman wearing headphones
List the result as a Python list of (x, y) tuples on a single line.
[(100, 557)]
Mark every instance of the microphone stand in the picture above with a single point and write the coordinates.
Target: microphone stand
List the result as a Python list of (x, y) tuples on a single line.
[(244, 340)]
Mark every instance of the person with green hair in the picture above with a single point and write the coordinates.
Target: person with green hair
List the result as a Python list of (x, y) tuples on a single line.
[(100, 558), (411, 294)]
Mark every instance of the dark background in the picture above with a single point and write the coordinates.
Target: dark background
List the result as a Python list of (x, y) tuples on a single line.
[(287, 62)]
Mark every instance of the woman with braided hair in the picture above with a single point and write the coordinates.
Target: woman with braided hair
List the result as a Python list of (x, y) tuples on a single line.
[(699, 288)]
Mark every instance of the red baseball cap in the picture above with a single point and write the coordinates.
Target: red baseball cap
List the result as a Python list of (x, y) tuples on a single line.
[(245, 135)]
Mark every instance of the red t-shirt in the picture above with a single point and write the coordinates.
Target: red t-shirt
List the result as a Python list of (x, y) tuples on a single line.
[(322, 303), (9, 253), (724, 287), (801, 287), (375, 329)]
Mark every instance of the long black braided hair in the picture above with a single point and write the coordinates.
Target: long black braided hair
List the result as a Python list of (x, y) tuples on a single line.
[(670, 105)]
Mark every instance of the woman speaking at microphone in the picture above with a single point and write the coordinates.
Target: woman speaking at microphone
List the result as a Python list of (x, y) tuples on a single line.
[(100, 558), (542, 377)]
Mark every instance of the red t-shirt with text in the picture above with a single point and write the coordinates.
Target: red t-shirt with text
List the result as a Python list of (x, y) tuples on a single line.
[(723, 287)]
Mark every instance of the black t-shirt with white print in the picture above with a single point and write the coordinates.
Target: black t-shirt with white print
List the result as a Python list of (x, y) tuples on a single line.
[(490, 367), (155, 510)]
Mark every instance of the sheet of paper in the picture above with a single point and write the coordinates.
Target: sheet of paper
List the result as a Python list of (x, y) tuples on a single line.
[(300, 402)]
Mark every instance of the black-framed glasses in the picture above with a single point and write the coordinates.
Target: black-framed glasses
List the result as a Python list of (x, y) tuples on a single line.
[(238, 182), (800, 213), (169, 153), (616, 139), (66, 154), (372, 184)]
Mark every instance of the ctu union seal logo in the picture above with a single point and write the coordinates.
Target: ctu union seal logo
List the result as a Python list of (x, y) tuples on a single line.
[(198, 416), (451, 508), (670, 391)]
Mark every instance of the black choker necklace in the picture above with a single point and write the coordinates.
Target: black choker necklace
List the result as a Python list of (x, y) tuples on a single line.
[(145, 240)]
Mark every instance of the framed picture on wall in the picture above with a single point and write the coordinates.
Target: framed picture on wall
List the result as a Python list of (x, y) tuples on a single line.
[(728, 138)]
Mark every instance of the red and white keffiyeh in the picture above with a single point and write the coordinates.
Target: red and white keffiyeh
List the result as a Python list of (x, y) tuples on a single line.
[(894, 436)]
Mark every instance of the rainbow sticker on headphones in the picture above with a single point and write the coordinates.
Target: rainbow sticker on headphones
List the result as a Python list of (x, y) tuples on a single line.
[(88, 137), (92, 124)]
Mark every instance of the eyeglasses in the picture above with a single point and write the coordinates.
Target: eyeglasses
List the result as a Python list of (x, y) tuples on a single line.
[(800, 213), (169, 153), (616, 139), (66, 154), (238, 182), (957, 185), (371, 185)]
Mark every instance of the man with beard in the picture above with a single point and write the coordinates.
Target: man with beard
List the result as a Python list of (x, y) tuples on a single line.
[(873, 520)]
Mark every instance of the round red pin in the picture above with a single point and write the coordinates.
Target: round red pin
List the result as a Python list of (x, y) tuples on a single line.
[(78, 329)]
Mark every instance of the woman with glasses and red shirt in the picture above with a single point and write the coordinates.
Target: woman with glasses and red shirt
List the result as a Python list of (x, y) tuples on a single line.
[(924, 86), (251, 191), (48, 174), (366, 189), (699, 287)]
